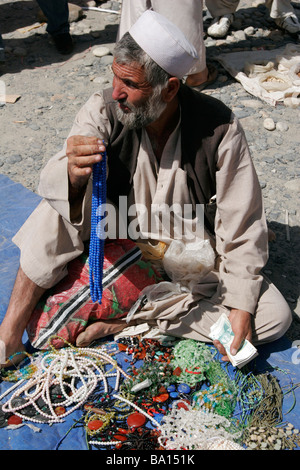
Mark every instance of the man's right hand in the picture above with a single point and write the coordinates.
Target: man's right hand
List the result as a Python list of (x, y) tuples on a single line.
[(82, 152)]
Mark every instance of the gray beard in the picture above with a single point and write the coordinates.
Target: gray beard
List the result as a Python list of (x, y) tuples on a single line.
[(142, 116)]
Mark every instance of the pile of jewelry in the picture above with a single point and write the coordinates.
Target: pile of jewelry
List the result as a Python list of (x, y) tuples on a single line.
[(164, 397), (69, 374), (147, 350), (118, 423)]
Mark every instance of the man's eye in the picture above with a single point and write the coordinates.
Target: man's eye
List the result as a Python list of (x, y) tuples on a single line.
[(130, 84)]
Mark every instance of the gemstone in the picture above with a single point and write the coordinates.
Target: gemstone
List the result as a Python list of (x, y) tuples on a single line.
[(87, 406), (183, 404), (120, 437), (98, 411), (161, 398), (183, 388), (174, 394), (177, 371), (158, 417), (14, 420), (171, 388), (95, 424), (60, 410), (122, 431), (135, 420)]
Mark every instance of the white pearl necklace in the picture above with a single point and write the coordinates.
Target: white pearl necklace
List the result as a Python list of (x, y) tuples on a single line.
[(76, 370)]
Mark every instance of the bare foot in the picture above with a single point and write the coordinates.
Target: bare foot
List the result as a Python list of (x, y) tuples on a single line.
[(99, 329)]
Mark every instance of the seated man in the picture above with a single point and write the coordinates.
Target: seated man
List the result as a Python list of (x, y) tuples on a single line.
[(166, 144)]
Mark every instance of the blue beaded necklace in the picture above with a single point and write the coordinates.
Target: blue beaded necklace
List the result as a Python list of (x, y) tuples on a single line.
[(96, 251)]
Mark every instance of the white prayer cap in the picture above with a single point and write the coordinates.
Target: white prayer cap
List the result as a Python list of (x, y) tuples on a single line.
[(164, 43)]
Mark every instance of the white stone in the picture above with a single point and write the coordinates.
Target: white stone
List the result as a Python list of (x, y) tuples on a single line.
[(240, 35), (293, 185), (101, 51), (249, 31), (269, 124), (282, 126), (101, 80)]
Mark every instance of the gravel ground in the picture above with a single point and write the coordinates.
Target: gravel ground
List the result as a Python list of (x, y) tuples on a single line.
[(52, 89)]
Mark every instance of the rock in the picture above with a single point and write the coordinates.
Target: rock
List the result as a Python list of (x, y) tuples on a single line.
[(107, 60), (269, 124), (293, 185), (282, 126), (101, 80), (34, 127), (14, 159), (255, 104), (96, 34), (240, 35), (269, 159), (115, 5), (249, 31), (101, 51), (20, 52), (222, 78)]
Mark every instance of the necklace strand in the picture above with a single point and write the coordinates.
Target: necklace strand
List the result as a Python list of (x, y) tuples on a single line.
[(66, 368), (96, 249)]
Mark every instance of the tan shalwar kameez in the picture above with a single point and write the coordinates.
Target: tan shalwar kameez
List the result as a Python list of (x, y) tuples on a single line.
[(49, 240)]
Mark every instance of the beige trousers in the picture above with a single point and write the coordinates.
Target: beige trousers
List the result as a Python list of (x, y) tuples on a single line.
[(277, 8), (191, 315)]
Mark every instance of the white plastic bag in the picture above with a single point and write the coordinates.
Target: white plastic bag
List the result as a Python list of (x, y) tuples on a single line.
[(274, 81), (186, 262)]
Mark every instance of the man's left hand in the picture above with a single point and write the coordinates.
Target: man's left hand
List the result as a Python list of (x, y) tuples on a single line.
[(241, 326)]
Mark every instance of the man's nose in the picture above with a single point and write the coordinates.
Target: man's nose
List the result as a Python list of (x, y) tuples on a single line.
[(118, 90)]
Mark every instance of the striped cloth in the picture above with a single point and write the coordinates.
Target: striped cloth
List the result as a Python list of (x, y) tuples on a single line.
[(66, 309)]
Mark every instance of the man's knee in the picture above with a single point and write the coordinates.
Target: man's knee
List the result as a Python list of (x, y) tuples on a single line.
[(281, 318), (275, 316)]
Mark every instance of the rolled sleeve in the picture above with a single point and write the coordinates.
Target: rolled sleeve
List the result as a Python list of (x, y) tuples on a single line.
[(91, 120), (240, 226)]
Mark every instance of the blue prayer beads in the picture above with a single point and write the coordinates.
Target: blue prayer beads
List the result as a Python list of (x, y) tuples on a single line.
[(96, 249)]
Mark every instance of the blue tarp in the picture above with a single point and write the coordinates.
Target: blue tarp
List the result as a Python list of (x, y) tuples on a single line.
[(16, 203)]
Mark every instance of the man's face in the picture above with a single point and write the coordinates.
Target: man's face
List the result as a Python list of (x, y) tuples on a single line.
[(138, 104)]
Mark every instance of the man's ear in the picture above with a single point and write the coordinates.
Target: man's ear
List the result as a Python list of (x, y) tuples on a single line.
[(171, 90)]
